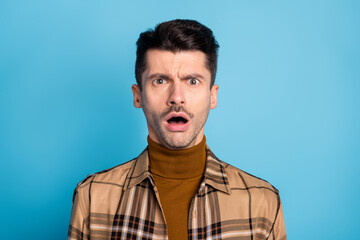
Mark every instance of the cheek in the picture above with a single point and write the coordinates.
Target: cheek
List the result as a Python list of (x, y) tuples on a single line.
[(153, 98), (201, 105), (204, 98), (151, 104)]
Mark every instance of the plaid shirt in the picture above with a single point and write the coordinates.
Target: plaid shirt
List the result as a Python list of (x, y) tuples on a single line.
[(123, 203)]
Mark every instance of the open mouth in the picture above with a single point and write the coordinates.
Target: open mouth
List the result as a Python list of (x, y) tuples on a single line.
[(177, 120)]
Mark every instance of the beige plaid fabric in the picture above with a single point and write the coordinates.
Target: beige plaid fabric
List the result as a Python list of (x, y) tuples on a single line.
[(123, 203)]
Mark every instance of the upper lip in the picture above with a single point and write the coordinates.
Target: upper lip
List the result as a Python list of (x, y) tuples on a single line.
[(177, 114)]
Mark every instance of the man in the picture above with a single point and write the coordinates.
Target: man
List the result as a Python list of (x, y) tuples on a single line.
[(176, 188)]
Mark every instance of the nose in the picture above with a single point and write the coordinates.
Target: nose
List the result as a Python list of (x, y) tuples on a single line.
[(176, 94)]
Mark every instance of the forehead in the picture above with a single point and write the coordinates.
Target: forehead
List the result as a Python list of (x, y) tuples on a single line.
[(175, 63)]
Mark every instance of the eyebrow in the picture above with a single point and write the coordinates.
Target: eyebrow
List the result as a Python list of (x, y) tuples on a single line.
[(192, 75), (167, 77), (159, 75)]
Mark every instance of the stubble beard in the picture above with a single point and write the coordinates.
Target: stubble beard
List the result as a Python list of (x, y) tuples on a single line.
[(170, 139)]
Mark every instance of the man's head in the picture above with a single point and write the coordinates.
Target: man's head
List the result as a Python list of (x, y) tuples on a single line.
[(175, 71), (175, 36)]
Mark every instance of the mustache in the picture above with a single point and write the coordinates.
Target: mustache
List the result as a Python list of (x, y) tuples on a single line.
[(177, 108)]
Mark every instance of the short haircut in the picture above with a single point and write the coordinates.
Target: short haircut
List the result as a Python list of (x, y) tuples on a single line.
[(177, 35)]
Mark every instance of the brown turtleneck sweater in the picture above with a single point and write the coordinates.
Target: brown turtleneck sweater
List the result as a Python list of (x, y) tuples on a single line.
[(177, 175)]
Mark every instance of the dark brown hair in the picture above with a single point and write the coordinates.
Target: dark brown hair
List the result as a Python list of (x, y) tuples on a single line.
[(177, 35)]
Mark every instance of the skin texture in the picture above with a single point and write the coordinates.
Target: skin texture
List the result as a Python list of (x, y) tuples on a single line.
[(176, 84)]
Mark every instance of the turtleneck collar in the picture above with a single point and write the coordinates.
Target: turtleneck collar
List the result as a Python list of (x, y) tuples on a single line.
[(177, 164)]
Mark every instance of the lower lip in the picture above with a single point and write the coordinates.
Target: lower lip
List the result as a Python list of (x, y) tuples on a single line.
[(177, 127)]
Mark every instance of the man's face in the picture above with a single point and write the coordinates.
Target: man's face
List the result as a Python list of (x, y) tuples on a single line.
[(176, 97)]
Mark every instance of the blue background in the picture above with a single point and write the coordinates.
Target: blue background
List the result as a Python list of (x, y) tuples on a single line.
[(289, 80)]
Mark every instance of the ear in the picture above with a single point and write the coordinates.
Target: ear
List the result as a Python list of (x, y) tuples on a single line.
[(213, 96), (137, 95)]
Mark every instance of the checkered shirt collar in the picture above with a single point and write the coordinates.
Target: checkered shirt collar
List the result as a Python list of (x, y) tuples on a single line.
[(214, 175)]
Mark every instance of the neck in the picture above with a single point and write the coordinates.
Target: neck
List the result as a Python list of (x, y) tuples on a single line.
[(177, 164)]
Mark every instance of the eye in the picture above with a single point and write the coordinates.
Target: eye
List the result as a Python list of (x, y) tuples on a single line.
[(159, 81), (193, 81)]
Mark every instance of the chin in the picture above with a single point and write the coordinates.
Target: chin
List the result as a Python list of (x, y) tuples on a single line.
[(178, 143)]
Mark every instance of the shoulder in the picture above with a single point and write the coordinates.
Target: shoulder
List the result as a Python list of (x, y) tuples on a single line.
[(240, 180), (114, 176), (262, 198)]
